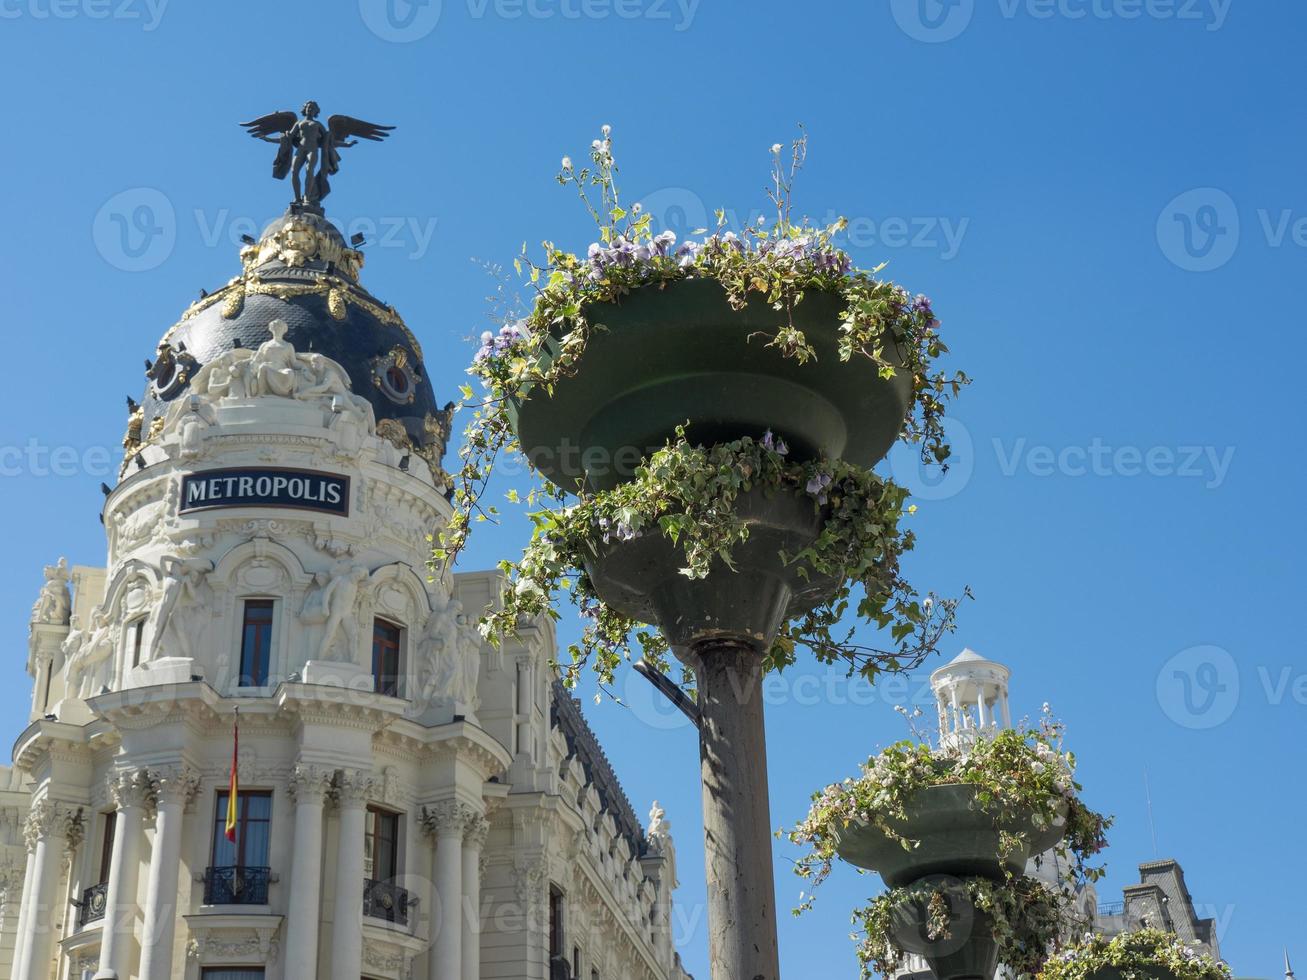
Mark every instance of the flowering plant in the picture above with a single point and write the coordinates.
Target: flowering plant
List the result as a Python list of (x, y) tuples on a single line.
[(685, 492), (1025, 918), (1139, 955), (1020, 774)]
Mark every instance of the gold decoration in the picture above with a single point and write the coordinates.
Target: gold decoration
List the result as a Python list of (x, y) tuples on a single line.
[(234, 304), (336, 304)]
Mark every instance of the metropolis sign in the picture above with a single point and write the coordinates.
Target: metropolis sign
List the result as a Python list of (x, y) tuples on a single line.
[(265, 487)]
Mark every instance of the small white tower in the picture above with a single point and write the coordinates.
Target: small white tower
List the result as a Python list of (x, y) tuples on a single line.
[(971, 694)]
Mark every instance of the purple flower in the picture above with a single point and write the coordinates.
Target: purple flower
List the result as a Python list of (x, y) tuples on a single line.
[(768, 440), (817, 487)]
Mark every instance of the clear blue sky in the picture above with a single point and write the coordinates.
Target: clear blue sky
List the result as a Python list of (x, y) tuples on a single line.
[(1028, 163)]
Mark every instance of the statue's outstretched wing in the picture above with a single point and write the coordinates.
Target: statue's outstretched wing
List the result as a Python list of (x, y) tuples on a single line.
[(345, 128), (274, 124)]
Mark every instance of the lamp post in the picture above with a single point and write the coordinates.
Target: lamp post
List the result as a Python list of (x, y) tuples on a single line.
[(682, 354)]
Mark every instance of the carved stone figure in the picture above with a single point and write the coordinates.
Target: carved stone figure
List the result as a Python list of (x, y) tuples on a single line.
[(439, 672), (88, 661), (54, 606), (468, 657), (273, 368), (659, 825), (335, 602), (306, 146), (183, 589)]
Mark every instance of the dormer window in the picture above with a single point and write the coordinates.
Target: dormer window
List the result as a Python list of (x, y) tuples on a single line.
[(256, 642), (387, 644)]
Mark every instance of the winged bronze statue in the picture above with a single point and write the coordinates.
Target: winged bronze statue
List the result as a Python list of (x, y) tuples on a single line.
[(304, 144)]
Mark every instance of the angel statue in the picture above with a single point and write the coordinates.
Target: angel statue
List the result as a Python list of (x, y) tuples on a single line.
[(306, 144)]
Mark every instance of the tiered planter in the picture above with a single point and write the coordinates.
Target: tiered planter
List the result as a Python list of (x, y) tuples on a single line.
[(954, 838), (675, 356), (1144, 953)]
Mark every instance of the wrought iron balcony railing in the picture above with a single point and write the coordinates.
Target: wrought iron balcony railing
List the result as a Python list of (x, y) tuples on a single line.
[(236, 886), (384, 900), (1111, 908), (91, 908)]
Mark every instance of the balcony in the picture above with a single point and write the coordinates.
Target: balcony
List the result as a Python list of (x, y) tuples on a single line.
[(1106, 909), (386, 901), (236, 886), (91, 907)]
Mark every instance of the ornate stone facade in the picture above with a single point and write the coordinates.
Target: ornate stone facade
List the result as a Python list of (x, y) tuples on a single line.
[(410, 796)]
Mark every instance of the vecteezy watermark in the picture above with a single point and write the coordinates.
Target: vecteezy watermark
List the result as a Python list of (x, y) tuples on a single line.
[(1209, 465), (35, 459), (404, 21), (1199, 687), (1199, 230), (1202, 229), (148, 12), (136, 229), (409, 233), (935, 21), (681, 210), (1206, 463), (400, 21)]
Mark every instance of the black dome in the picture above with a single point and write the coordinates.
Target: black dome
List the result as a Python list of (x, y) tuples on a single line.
[(301, 271)]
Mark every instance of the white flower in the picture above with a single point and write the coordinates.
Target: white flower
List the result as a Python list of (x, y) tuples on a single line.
[(567, 163), (637, 207), (776, 148), (605, 129)]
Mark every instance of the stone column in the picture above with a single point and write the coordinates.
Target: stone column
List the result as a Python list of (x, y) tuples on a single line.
[(24, 899), (308, 785), (982, 709), (446, 822), (52, 829), (131, 791), (474, 839), (173, 790), (352, 791)]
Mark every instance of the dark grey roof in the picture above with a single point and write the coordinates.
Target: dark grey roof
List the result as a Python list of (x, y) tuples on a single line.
[(566, 716), (328, 312)]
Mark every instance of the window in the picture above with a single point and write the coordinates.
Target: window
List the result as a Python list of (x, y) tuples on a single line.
[(253, 823), (382, 843), (555, 922), (386, 638), (256, 642), (576, 961), (135, 633), (238, 874), (231, 973), (106, 844)]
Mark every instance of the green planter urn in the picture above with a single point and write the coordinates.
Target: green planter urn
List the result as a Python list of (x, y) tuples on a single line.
[(678, 354), (968, 952), (953, 835)]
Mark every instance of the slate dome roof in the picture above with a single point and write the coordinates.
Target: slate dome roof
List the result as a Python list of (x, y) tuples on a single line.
[(303, 272)]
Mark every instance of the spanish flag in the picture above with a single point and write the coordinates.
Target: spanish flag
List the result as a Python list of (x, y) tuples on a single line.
[(232, 790)]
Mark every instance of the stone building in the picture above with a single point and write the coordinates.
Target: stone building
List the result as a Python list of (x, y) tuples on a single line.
[(412, 802)]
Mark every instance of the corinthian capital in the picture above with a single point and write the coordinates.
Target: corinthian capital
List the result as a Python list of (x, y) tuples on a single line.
[(447, 818), (174, 784), (353, 787), (475, 831), (309, 784), (130, 787), (53, 819)]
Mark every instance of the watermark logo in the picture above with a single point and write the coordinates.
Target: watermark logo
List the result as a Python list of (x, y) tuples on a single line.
[(933, 21), (147, 12), (928, 482), (1199, 230), (1198, 688), (400, 21), (136, 229)]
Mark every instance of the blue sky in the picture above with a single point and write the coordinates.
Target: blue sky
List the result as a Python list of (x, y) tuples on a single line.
[(1105, 198)]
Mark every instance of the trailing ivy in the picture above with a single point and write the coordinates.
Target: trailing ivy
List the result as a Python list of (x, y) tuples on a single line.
[(1139, 955), (685, 491)]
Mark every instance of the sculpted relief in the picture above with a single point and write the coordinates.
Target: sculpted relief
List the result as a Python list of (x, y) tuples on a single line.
[(54, 606), (334, 604), (186, 597), (277, 370), (449, 653)]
